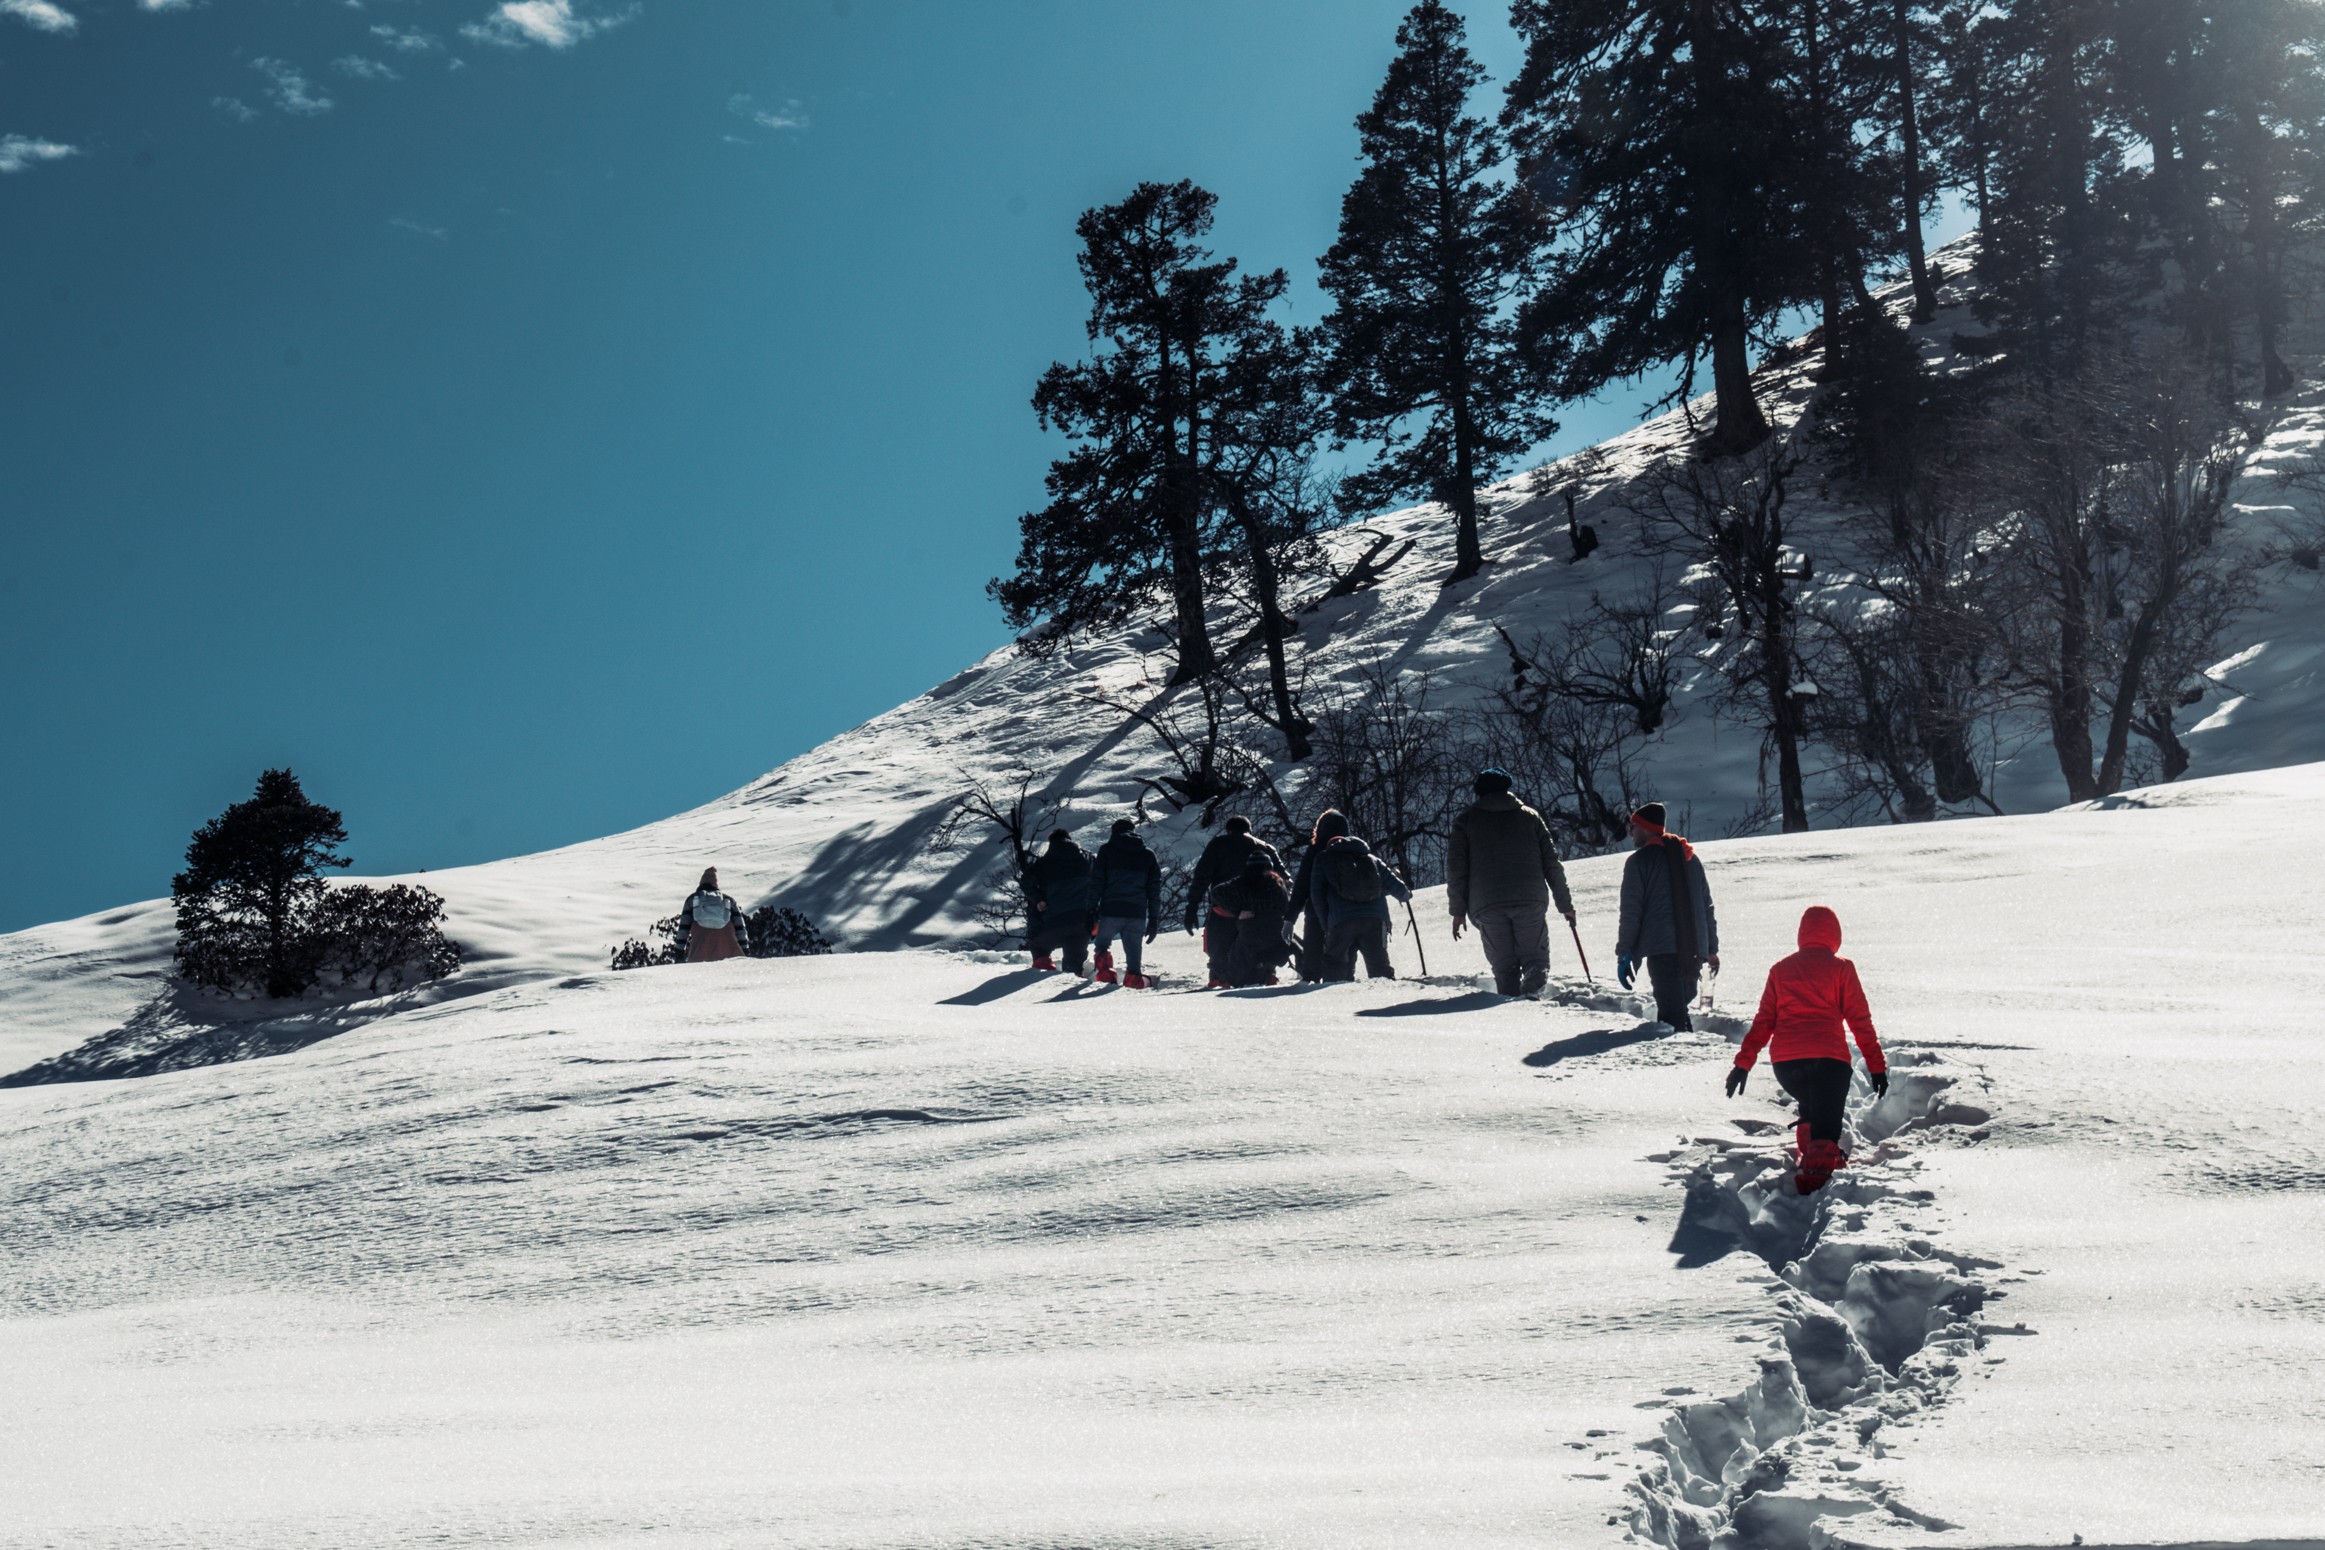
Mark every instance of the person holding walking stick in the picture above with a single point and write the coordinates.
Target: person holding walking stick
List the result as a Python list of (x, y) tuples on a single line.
[(1501, 875)]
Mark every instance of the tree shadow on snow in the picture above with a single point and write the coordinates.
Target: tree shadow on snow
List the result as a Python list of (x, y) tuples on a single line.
[(999, 986), (182, 1028), (1596, 1042), (1475, 1000)]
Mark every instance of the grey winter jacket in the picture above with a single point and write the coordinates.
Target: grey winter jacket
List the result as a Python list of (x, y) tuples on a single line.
[(1127, 882), (1501, 853), (1649, 923), (1331, 906)]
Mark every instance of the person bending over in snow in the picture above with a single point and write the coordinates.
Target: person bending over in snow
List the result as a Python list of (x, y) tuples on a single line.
[(1256, 900), (1127, 887), (711, 923), (1223, 861), (1810, 998), (1057, 904)]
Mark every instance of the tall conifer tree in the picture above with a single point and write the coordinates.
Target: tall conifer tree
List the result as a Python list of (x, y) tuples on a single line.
[(1126, 520), (1661, 135), (1435, 242)]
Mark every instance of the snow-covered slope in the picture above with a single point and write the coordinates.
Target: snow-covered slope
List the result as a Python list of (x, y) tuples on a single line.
[(847, 831), (924, 1249)]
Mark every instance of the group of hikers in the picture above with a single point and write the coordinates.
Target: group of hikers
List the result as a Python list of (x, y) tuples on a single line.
[(1502, 878)]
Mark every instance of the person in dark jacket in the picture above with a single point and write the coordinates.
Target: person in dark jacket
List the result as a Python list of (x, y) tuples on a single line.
[(1223, 861), (1667, 918), (1058, 904), (1331, 824), (1257, 900), (1126, 884), (711, 924), (1351, 888), (1501, 875)]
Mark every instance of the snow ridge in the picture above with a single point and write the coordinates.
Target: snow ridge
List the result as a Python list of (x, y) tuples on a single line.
[(1875, 1325)]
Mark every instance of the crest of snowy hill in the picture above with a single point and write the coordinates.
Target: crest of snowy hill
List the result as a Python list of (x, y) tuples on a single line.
[(853, 832)]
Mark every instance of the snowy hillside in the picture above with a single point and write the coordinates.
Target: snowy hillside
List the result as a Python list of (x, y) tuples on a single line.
[(847, 831), (926, 1249)]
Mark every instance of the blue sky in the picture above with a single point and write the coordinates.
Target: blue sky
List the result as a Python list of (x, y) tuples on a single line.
[(527, 421)]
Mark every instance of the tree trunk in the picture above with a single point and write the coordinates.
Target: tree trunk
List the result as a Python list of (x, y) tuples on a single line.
[(2069, 698), (1909, 129), (1784, 717), (1739, 425), (2268, 298), (1184, 514), (1468, 554), (1274, 630), (1829, 302)]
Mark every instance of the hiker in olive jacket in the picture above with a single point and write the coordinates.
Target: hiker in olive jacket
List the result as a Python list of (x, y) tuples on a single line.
[(1501, 874), (1222, 862), (1352, 888), (1126, 884), (1058, 903), (1667, 917)]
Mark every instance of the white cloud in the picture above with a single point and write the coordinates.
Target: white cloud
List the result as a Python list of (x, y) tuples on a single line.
[(165, 5), (235, 107), (44, 14), (289, 90), (18, 152), (550, 23), (364, 69), (789, 116), (405, 223), (405, 40)]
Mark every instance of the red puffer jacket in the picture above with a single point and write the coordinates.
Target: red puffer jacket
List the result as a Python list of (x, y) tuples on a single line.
[(1809, 999)]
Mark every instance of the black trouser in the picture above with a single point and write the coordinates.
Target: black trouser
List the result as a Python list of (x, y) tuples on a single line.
[(1822, 1086), (1219, 933), (1070, 940), (1675, 977), (1347, 938)]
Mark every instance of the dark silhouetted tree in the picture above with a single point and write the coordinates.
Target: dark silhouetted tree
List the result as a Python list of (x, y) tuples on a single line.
[(248, 899), (1125, 523), (1435, 242)]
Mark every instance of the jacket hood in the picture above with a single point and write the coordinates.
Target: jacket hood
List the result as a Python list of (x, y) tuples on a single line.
[(1124, 842), (1500, 802), (1353, 843), (1820, 930)]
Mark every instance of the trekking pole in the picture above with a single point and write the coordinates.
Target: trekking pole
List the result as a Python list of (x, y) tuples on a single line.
[(1421, 952), (1579, 953)]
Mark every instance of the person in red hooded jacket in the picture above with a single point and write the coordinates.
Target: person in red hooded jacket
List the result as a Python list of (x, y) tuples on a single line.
[(1810, 1006)]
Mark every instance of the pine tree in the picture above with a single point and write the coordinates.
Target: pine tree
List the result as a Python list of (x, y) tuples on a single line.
[(1434, 245), (1125, 522), (1659, 132), (248, 899)]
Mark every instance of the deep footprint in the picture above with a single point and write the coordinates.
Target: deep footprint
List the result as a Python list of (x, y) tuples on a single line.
[(1875, 1324)]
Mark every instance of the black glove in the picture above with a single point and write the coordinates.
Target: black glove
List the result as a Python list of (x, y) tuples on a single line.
[(1737, 1075), (1152, 932), (1880, 1081)]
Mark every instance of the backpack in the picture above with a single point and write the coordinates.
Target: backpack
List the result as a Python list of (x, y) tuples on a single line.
[(709, 911), (1354, 877)]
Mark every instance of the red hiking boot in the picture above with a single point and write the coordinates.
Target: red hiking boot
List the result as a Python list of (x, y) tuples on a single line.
[(1819, 1161), (1135, 982), (1046, 964), (1105, 974)]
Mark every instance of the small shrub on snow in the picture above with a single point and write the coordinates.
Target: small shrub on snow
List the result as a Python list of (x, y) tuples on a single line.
[(375, 934)]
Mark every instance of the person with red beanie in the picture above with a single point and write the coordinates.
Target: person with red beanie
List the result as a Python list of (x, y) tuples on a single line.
[(1810, 1006)]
